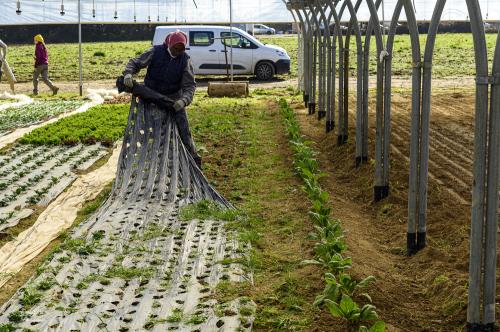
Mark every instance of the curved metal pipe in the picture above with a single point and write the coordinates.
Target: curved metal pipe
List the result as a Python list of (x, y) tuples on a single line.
[(305, 57), (359, 90), (327, 57), (419, 145), (491, 226), (479, 168), (338, 38), (320, 58), (374, 26)]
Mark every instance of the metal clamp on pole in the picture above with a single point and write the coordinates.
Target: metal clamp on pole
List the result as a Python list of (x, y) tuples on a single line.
[(488, 80), (384, 55)]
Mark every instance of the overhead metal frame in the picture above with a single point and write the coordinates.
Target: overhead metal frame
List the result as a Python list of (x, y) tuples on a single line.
[(485, 190)]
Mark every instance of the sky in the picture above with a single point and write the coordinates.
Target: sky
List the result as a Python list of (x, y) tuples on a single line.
[(205, 11)]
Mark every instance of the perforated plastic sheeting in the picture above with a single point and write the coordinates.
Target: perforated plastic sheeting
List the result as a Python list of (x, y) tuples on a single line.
[(135, 265)]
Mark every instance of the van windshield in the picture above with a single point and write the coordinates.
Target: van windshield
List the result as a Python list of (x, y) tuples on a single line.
[(236, 41)]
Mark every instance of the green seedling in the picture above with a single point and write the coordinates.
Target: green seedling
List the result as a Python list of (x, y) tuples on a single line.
[(17, 316), (176, 316), (350, 311), (342, 285), (29, 298)]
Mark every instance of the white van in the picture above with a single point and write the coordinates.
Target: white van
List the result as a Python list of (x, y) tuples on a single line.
[(250, 56), (261, 29)]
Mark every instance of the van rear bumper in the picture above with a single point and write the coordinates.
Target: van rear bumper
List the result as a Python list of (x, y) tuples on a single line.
[(282, 67)]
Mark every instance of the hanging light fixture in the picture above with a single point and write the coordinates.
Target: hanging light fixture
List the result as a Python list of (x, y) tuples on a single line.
[(135, 16), (116, 10), (62, 12), (18, 10), (93, 8), (149, 11), (158, 7)]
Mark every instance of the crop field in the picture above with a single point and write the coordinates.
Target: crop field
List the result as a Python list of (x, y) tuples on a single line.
[(36, 112), (291, 189), (34, 175), (453, 57), (278, 231), (48, 159)]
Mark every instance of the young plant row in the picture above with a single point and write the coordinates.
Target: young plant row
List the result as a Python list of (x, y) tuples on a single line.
[(103, 123), (38, 111), (342, 294)]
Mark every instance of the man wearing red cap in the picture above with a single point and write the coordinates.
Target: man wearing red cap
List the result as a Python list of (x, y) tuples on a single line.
[(170, 72)]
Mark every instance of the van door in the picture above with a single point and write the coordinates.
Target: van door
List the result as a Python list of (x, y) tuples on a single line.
[(203, 52), (243, 50)]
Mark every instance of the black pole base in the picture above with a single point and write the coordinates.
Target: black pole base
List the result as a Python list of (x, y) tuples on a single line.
[(411, 244), (321, 115), (345, 138), (478, 327), (330, 125), (306, 99), (312, 108), (421, 240), (359, 161), (380, 192), (490, 327)]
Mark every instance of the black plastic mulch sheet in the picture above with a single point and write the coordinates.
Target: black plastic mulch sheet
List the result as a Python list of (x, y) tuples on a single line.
[(134, 266)]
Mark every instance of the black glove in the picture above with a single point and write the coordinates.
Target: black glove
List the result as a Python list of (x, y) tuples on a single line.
[(146, 94)]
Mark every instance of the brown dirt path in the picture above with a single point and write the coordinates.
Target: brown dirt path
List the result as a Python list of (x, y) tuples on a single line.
[(426, 292)]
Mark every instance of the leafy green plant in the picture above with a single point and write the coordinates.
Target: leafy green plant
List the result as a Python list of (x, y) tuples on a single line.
[(176, 316), (17, 316), (7, 327), (351, 312), (343, 284), (340, 287), (29, 298)]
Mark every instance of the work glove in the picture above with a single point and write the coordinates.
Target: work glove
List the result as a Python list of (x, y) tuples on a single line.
[(179, 105), (128, 81)]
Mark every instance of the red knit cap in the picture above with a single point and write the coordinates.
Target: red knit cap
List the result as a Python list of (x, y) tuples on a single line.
[(175, 38)]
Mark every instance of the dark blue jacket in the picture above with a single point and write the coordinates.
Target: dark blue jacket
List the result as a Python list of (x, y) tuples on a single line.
[(164, 73)]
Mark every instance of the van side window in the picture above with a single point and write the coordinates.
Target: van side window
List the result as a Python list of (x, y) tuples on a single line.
[(236, 41), (201, 38)]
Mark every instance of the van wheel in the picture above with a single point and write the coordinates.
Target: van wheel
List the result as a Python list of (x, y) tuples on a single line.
[(264, 71)]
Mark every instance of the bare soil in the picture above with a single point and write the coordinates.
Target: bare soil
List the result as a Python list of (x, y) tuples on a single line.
[(426, 292)]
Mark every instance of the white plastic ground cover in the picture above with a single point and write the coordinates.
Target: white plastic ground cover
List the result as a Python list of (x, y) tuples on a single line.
[(21, 100), (55, 219), (134, 265), (34, 175), (94, 97), (34, 113)]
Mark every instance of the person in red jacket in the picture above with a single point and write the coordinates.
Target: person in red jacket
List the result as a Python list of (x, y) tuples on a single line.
[(42, 66)]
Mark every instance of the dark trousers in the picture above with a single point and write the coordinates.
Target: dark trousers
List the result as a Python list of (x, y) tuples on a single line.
[(183, 126)]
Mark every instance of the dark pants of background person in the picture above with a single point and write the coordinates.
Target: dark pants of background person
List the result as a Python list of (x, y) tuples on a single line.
[(183, 125), (44, 71)]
